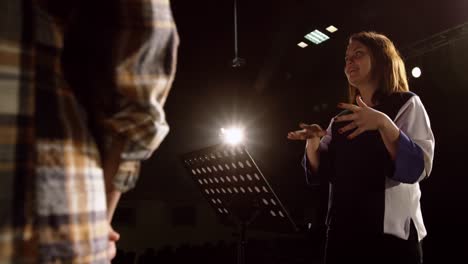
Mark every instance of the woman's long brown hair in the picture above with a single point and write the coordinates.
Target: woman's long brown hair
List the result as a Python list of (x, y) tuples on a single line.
[(388, 67)]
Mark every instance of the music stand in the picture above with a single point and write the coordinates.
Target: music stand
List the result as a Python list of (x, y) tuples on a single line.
[(234, 186)]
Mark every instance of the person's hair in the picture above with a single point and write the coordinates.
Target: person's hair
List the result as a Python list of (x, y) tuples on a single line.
[(387, 66)]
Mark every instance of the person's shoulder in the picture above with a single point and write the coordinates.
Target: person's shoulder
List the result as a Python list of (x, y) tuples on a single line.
[(402, 98), (405, 96)]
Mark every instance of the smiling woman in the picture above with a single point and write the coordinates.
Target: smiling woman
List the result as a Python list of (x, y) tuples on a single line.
[(377, 63), (373, 155), (358, 63)]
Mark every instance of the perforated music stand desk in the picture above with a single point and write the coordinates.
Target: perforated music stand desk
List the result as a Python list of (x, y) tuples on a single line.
[(236, 189)]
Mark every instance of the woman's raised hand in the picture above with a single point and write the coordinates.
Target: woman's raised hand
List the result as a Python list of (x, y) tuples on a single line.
[(312, 131)]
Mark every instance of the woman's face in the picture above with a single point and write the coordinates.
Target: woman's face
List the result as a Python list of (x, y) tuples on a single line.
[(358, 64)]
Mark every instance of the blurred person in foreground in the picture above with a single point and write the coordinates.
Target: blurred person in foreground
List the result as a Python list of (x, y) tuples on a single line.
[(83, 84)]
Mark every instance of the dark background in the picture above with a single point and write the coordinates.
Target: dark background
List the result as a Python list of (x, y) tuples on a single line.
[(281, 85)]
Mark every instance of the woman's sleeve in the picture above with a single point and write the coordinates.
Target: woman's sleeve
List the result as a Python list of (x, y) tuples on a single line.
[(312, 178), (416, 143)]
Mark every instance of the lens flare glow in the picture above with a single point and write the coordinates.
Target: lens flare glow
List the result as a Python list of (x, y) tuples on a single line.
[(232, 135)]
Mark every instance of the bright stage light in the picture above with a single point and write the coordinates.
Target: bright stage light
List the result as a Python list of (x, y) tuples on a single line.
[(232, 135), (331, 29), (316, 37), (302, 44), (416, 72)]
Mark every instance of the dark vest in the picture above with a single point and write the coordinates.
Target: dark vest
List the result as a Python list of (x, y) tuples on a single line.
[(356, 170)]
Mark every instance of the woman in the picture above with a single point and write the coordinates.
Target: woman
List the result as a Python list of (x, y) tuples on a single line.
[(373, 156)]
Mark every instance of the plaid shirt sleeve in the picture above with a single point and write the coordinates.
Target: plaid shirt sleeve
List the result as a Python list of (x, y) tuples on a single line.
[(127, 175), (133, 49), (143, 77)]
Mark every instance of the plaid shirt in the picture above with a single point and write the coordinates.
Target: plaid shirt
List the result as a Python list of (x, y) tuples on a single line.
[(74, 76)]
